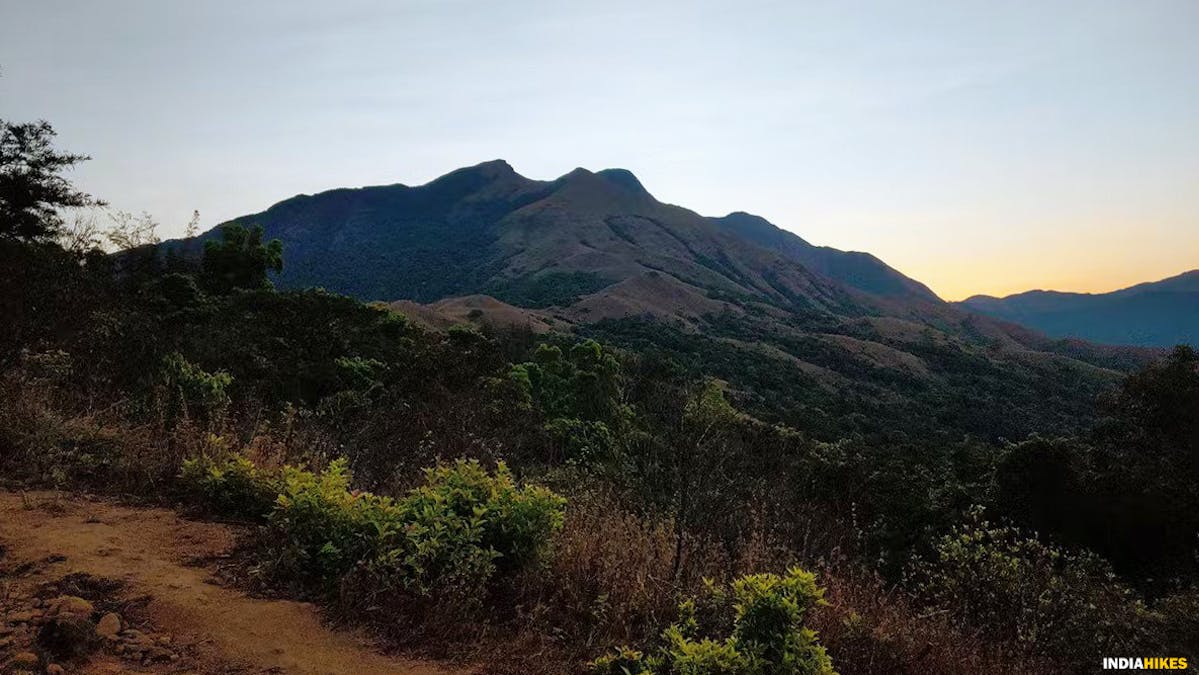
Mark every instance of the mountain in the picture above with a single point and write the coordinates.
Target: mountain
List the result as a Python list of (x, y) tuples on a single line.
[(830, 341), (487, 229), (1155, 314)]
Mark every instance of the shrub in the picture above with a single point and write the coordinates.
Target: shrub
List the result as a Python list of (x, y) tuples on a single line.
[(770, 611), (229, 485), (448, 536), (767, 635), (1010, 586), (192, 390), (515, 522), (322, 529)]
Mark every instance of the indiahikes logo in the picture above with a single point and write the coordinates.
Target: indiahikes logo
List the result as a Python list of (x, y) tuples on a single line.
[(1144, 663)]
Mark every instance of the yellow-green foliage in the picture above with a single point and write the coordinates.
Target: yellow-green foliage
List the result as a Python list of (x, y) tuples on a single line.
[(449, 535), (191, 390), (514, 522), (767, 635), (624, 661), (229, 485), (322, 529)]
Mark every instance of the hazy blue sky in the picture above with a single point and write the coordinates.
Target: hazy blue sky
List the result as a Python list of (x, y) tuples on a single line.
[(977, 146)]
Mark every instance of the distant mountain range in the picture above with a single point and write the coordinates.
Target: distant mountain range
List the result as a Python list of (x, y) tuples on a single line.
[(1155, 314), (821, 338)]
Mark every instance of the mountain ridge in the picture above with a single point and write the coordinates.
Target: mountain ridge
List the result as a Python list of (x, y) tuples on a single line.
[(1155, 313)]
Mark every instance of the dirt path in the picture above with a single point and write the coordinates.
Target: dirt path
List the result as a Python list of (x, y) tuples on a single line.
[(213, 629)]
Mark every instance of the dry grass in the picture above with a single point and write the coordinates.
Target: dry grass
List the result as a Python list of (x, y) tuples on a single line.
[(610, 583), (871, 628), (612, 578)]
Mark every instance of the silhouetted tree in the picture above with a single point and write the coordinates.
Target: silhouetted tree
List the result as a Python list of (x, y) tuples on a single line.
[(240, 259), (32, 188)]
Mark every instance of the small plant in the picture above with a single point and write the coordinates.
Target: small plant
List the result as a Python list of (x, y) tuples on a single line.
[(515, 522), (191, 390), (624, 661), (767, 635)]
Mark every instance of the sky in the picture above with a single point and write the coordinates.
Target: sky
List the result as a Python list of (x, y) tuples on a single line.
[(980, 147)]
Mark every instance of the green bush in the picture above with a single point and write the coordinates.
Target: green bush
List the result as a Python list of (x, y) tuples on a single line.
[(514, 522), (769, 629), (1059, 603), (321, 529), (229, 486), (191, 390), (753, 627), (448, 536)]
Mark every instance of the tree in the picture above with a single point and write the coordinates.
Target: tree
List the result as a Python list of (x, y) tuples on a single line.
[(1156, 412), (129, 232), (240, 259), (32, 189)]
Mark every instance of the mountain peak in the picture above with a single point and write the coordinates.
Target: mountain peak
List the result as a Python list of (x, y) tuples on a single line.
[(745, 219), (761, 231), (625, 179), (493, 169)]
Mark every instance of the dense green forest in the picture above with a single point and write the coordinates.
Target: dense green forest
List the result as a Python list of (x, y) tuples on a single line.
[(603, 501)]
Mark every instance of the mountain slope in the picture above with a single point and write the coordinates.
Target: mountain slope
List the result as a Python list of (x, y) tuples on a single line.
[(1155, 314), (860, 270)]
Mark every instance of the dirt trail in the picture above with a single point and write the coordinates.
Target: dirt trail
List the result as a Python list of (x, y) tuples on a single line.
[(219, 630)]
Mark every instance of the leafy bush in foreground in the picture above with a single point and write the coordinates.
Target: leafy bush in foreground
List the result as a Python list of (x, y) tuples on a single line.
[(229, 486), (767, 636), (320, 529), (514, 522), (448, 536)]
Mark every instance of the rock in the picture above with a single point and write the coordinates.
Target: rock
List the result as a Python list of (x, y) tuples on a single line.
[(159, 654), (55, 669), (136, 638), (68, 634), (25, 662), (70, 605), (20, 617), (109, 626)]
